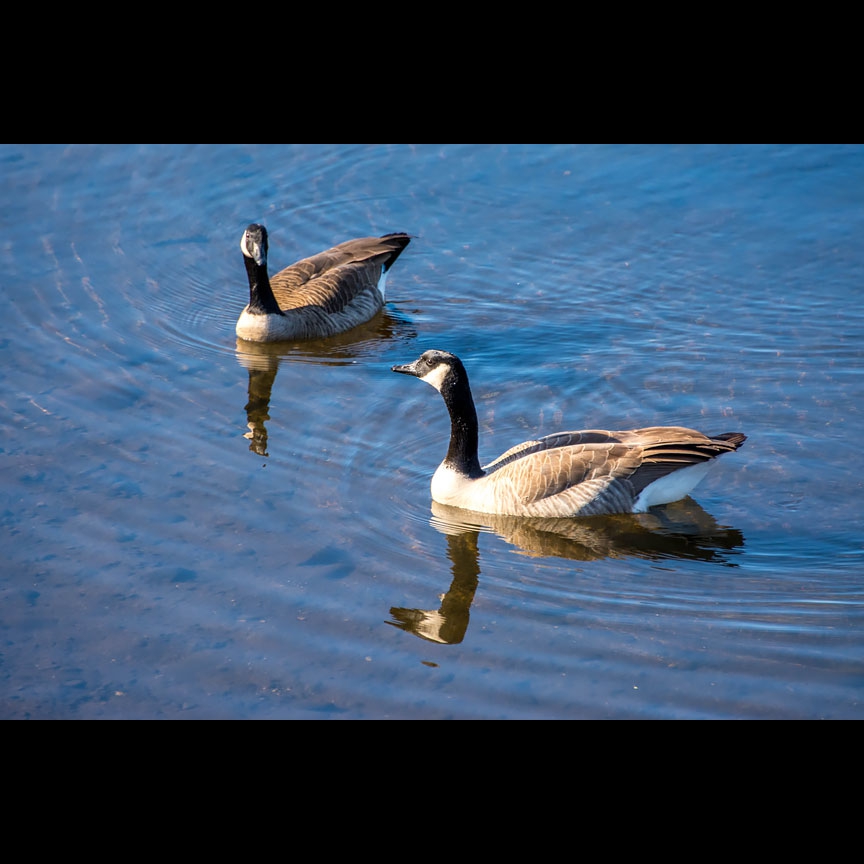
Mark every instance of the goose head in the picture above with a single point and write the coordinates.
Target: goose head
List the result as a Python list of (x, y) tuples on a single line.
[(254, 245), (444, 371), (440, 369)]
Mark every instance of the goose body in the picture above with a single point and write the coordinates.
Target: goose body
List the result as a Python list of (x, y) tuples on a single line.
[(328, 293), (592, 472)]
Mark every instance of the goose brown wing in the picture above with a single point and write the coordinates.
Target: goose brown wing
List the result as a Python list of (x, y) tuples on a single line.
[(331, 290), (665, 449), (553, 442), (596, 459), (548, 466), (335, 277)]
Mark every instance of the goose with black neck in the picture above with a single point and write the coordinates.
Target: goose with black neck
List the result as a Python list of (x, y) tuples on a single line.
[(327, 293), (591, 472)]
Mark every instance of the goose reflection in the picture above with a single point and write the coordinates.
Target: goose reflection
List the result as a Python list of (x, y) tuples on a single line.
[(262, 359), (262, 368), (682, 530), (449, 623)]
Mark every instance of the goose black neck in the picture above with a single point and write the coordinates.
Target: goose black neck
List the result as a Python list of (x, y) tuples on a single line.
[(261, 299), (462, 452)]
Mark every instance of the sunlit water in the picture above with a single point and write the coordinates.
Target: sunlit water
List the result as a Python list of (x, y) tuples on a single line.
[(196, 528)]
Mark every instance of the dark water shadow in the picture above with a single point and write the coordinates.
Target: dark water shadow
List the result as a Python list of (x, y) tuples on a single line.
[(262, 361), (679, 531)]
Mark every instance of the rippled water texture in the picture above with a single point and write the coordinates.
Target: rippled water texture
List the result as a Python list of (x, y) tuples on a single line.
[(194, 527)]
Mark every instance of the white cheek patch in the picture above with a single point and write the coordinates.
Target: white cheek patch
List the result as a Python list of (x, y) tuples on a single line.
[(436, 377), (252, 250)]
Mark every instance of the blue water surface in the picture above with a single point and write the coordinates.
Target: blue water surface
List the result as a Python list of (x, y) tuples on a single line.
[(196, 528)]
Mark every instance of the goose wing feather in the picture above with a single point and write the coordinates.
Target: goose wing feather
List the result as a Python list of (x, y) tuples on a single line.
[(586, 468), (548, 467), (334, 278)]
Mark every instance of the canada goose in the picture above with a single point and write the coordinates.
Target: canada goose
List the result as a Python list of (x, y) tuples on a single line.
[(319, 296), (587, 473)]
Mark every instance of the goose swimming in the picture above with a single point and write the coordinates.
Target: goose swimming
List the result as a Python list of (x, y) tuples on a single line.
[(328, 293), (587, 473)]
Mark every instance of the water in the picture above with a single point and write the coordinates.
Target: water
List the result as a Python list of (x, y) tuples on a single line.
[(193, 528)]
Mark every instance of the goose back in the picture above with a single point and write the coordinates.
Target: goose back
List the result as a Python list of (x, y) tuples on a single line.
[(598, 472), (334, 278)]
